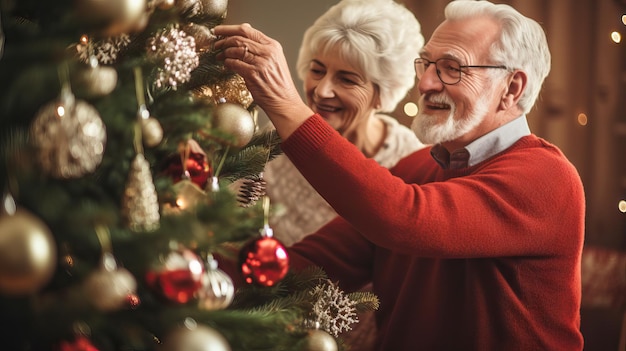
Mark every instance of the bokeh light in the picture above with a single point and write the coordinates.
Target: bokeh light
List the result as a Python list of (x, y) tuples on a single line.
[(622, 206), (624, 19), (582, 119), (411, 109), (616, 37)]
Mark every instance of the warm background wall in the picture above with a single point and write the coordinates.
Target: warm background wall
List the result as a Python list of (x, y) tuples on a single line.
[(582, 108)]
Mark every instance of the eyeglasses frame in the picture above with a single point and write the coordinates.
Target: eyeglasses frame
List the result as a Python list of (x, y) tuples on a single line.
[(460, 67)]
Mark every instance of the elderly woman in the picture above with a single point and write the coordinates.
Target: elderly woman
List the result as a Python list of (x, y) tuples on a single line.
[(356, 62)]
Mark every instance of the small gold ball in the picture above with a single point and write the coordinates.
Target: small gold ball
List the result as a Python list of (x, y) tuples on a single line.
[(28, 253), (236, 121)]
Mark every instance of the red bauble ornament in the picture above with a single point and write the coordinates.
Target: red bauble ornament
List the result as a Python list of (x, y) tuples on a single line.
[(263, 261), (81, 343), (180, 276), (193, 165)]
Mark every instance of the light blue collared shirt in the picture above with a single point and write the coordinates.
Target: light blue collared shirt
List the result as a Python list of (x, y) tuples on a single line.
[(484, 147)]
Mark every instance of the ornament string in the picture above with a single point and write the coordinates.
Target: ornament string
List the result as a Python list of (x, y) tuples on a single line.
[(104, 238), (67, 98), (266, 231), (142, 111), (185, 151)]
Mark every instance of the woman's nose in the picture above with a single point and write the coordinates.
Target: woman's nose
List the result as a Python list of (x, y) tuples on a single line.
[(325, 88)]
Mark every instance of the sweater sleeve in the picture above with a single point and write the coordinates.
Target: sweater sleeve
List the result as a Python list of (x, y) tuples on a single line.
[(345, 254), (520, 203)]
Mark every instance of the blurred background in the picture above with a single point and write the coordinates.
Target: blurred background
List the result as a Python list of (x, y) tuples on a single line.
[(582, 109)]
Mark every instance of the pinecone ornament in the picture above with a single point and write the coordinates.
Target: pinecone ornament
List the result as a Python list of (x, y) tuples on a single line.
[(252, 189)]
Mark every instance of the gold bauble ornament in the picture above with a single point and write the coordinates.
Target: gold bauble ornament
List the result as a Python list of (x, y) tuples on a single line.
[(195, 338), (319, 340), (215, 8), (151, 131), (94, 80), (28, 253), (166, 4), (109, 286), (236, 122), (202, 35), (112, 17)]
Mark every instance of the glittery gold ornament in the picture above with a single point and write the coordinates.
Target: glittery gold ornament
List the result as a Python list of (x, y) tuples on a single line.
[(140, 207), (231, 90), (69, 136), (236, 122), (112, 17), (28, 253)]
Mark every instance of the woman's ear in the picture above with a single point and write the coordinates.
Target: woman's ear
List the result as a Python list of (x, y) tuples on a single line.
[(515, 88)]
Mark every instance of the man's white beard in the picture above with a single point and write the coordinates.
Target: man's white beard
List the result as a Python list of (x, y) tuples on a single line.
[(431, 131)]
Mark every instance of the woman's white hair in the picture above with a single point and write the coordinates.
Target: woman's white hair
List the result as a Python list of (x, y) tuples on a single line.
[(522, 44), (380, 38)]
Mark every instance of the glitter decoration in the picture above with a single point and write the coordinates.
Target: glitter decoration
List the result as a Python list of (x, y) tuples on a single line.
[(106, 51), (69, 136), (231, 90), (334, 311), (140, 203), (175, 53)]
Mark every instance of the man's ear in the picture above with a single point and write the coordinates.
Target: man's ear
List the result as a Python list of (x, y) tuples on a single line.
[(515, 88)]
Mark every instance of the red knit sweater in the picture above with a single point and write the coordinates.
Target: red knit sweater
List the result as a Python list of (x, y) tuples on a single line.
[(483, 258)]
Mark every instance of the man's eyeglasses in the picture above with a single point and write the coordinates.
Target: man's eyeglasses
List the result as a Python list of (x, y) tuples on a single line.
[(448, 70)]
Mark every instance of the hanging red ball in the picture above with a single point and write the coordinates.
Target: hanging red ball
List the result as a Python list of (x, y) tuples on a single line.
[(81, 343), (180, 276), (196, 166), (263, 261)]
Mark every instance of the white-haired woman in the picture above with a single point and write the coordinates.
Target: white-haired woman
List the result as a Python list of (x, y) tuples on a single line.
[(356, 63)]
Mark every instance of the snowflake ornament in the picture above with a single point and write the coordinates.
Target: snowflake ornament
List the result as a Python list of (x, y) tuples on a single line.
[(106, 50), (333, 311)]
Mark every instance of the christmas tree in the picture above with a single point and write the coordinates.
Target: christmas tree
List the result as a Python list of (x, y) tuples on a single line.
[(130, 159)]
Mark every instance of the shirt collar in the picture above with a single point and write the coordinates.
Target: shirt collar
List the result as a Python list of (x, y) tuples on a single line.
[(484, 147)]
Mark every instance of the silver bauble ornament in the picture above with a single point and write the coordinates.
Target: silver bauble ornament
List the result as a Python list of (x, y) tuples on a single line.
[(217, 291), (235, 121), (28, 253)]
